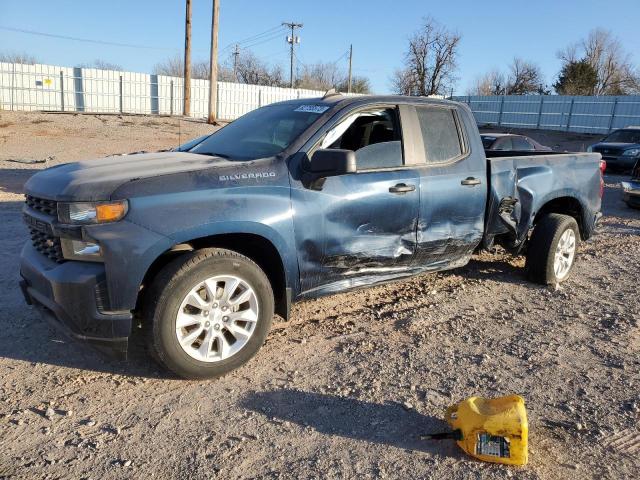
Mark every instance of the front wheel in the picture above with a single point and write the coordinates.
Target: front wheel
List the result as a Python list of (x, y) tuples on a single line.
[(552, 249), (209, 313)]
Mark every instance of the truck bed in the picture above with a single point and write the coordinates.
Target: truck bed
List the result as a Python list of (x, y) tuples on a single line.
[(522, 184)]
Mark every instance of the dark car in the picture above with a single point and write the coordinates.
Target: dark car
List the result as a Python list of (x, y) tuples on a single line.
[(620, 149), (511, 142), (631, 189)]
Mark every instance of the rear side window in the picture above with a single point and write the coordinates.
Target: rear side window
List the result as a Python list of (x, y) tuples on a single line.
[(504, 144), (439, 134), (520, 143)]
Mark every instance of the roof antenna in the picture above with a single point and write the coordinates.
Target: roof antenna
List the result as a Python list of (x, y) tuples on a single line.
[(330, 93)]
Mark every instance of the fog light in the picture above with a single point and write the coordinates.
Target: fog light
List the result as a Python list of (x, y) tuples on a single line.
[(79, 250)]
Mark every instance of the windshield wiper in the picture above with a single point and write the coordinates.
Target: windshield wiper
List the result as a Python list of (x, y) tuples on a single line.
[(211, 154)]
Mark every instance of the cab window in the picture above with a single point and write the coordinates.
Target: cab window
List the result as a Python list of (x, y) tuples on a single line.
[(374, 136)]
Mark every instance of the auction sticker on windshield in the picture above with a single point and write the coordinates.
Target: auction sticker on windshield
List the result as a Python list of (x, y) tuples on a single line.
[(312, 108)]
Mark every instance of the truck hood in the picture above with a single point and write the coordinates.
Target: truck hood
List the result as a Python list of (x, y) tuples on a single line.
[(615, 146), (95, 180)]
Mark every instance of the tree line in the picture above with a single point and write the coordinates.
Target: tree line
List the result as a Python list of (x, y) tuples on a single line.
[(596, 65), (250, 69)]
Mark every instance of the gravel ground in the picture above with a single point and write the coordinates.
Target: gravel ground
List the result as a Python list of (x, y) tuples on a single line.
[(344, 388)]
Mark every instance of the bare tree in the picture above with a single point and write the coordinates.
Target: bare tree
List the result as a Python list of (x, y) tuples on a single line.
[(491, 83), (359, 84), (319, 76), (403, 83), (616, 75), (101, 65), (174, 67), (14, 57), (251, 70), (430, 61), (525, 78)]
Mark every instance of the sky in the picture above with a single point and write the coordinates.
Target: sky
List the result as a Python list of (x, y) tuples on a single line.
[(493, 32)]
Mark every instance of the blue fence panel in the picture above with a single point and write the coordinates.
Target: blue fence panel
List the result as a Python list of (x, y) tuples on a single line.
[(580, 114)]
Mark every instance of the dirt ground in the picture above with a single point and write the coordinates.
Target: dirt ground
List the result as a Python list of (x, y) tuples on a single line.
[(343, 389)]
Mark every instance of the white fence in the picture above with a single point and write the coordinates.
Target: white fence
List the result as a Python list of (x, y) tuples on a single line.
[(75, 89), (580, 114)]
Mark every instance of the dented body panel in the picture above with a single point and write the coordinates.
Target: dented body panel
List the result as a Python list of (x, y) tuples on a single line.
[(533, 182), (346, 231)]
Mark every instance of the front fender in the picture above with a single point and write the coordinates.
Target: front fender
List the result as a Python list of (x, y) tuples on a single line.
[(283, 245)]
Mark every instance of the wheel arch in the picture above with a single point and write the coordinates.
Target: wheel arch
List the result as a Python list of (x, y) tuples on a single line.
[(565, 205), (260, 249)]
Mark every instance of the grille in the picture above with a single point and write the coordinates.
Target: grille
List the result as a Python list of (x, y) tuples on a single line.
[(48, 207), (47, 244), (610, 152), (44, 242)]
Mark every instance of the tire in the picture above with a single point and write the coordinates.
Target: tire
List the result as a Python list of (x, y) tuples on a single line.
[(541, 264), (173, 295)]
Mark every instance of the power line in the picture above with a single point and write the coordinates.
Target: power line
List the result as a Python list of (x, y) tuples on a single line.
[(277, 29), (345, 54), (79, 39), (264, 40)]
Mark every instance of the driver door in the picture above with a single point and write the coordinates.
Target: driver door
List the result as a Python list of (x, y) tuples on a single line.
[(360, 228)]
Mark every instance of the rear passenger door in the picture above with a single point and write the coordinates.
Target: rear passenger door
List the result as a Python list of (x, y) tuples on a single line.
[(453, 189)]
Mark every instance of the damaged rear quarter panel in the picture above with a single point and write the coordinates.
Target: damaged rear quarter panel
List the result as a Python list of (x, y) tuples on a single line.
[(535, 181)]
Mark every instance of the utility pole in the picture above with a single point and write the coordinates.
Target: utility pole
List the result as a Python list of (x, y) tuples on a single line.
[(350, 62), (186, 109), (292, 40), (213, 63), (236, 54)]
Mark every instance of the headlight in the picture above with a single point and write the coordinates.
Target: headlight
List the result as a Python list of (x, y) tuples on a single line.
[(79, 250), (590, 148), (88, 213), (632, 152)]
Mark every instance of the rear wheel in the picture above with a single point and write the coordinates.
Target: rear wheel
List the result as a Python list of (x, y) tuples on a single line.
[(209, 313), (552, 249)]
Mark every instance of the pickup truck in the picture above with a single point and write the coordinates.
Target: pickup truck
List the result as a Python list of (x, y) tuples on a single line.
[(292, 201)]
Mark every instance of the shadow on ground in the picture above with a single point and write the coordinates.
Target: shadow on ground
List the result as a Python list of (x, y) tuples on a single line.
[(387, 424), (12, 180)]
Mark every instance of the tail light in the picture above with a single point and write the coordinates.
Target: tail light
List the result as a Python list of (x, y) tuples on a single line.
[(603, 167)]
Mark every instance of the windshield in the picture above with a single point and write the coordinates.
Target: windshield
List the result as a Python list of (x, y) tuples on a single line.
[(487, 141), (264, 132), (185, 147), (623, 136)]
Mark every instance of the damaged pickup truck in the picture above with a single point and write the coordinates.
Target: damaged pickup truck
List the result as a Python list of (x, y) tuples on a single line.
[(291, 201)]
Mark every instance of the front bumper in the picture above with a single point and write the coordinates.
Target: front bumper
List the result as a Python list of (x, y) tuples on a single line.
[(69, 295), (631, 193)]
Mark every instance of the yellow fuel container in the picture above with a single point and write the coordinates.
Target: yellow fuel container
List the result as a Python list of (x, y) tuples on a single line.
[(494, 430)]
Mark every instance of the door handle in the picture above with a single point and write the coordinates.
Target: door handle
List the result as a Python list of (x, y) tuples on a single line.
[(470, 181), (402, 188)]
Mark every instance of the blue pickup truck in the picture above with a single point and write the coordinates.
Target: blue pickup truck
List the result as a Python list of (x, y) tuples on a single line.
[(291, 201)]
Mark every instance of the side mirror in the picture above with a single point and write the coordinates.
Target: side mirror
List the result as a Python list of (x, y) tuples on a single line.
[(331, 162), (327, 162)]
